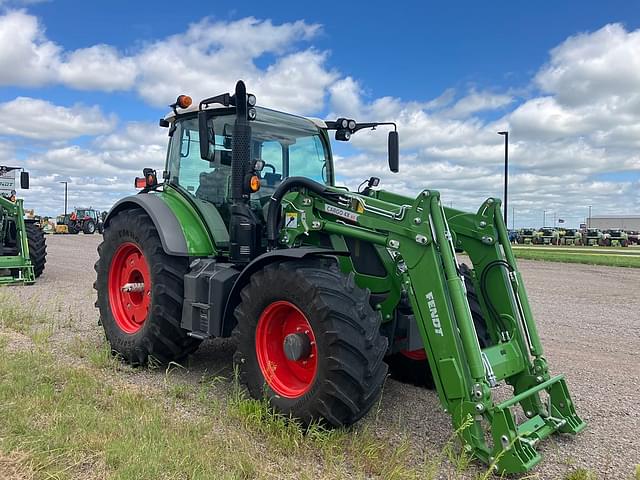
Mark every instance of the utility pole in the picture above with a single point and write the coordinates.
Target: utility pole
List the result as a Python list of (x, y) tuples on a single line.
[(544, 218), (506, 171), (513, 218), (65, 197), (589, 222)]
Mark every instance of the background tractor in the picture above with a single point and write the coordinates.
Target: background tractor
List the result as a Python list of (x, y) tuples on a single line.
[(86, 220), (546, 236), (571, 236), (324, 288), (22, 245), (615, 238), (593, 237), (525, 236)]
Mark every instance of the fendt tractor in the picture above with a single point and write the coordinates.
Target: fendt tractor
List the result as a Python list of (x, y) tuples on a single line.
[(23, 250), (593, 237), (546, 236), (526, 235), (615, 238), (571, 236), (323, 288)]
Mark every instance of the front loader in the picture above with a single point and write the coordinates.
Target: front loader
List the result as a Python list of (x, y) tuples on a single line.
[(323, 288), (22, 244)]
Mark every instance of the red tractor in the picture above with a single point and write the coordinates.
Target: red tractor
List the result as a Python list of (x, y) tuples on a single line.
[(85, 220)]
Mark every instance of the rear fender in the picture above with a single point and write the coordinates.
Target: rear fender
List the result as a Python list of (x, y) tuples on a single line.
[(165, 221)]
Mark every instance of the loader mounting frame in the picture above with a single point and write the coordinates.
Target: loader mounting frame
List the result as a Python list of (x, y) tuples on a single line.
[(422, 237)]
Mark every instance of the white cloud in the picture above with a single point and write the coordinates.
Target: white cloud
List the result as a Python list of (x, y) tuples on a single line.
[(476, 102), (97, 68), (211, 56), (603, 66), (26, 56), (41, 120)]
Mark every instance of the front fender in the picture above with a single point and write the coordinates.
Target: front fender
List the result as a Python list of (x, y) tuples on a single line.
[(260, 262)]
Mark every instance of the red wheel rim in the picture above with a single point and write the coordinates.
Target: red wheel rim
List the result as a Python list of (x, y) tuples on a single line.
[(415, 354), (129, 287), (288, 378)]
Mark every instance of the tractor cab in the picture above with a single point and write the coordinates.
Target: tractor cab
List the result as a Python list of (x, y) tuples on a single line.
[(281, 146)]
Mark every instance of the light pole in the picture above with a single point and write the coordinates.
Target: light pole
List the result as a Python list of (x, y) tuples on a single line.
[(589, 222), (544, 218), (513, 218), (65, 197), (506, 171)]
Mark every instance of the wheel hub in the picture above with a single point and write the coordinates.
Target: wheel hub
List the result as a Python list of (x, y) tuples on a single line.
[(129, 287), (297, 346), (286, 349)]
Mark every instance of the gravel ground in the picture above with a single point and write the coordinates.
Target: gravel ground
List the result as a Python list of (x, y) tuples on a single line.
[(589, 322)]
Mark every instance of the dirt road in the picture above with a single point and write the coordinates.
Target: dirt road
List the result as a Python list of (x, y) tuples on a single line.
[(589, 321)]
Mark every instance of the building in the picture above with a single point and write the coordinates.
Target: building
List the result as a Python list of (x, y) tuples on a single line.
[(606, 222)]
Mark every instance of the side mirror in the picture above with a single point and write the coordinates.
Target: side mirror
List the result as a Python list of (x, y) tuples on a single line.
[(204, 132), (394, 151), (24, 180)]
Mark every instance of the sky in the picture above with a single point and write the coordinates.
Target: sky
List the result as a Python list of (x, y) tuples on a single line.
[(83, 84)]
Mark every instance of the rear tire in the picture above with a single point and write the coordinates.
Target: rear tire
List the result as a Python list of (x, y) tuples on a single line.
[(340, 376), (411, 367), (89, 228), (145, 324), (37, 248)]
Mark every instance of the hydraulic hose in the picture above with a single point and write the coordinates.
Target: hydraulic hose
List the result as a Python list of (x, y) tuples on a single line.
[(273, 214), (483, 290)]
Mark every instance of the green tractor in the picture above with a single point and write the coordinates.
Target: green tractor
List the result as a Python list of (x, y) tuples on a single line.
[(546, 236), (323, 288), (572, 236), (593, 237), (525, 236), (23, 250), (615, 238)]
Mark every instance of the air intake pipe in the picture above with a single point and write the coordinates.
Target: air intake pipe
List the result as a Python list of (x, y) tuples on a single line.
[(243, 226)]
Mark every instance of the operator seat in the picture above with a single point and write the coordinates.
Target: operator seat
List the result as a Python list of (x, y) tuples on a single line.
[(213, 185)]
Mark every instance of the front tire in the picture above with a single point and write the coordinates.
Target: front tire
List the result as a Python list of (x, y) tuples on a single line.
[(140, 292), (37, 248), (309, 341)]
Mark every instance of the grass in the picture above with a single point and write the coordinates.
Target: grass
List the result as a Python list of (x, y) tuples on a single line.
[(65, 421), (549, 254), (82, 416), (581, 474)]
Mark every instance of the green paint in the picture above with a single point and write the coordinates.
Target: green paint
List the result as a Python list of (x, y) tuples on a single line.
[(200, 240), (19, 266)]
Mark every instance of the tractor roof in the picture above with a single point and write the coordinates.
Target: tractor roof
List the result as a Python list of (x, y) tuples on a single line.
[(194, 108)]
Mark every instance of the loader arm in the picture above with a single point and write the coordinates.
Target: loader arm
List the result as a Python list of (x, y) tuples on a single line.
[(421, 238)]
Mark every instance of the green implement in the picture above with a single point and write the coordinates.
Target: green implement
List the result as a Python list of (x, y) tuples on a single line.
[(22, 244), (325, 290)]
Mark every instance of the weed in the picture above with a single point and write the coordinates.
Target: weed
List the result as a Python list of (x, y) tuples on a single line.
[(581, 474)]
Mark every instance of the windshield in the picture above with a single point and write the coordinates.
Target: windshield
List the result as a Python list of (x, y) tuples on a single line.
[(288, 145)]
